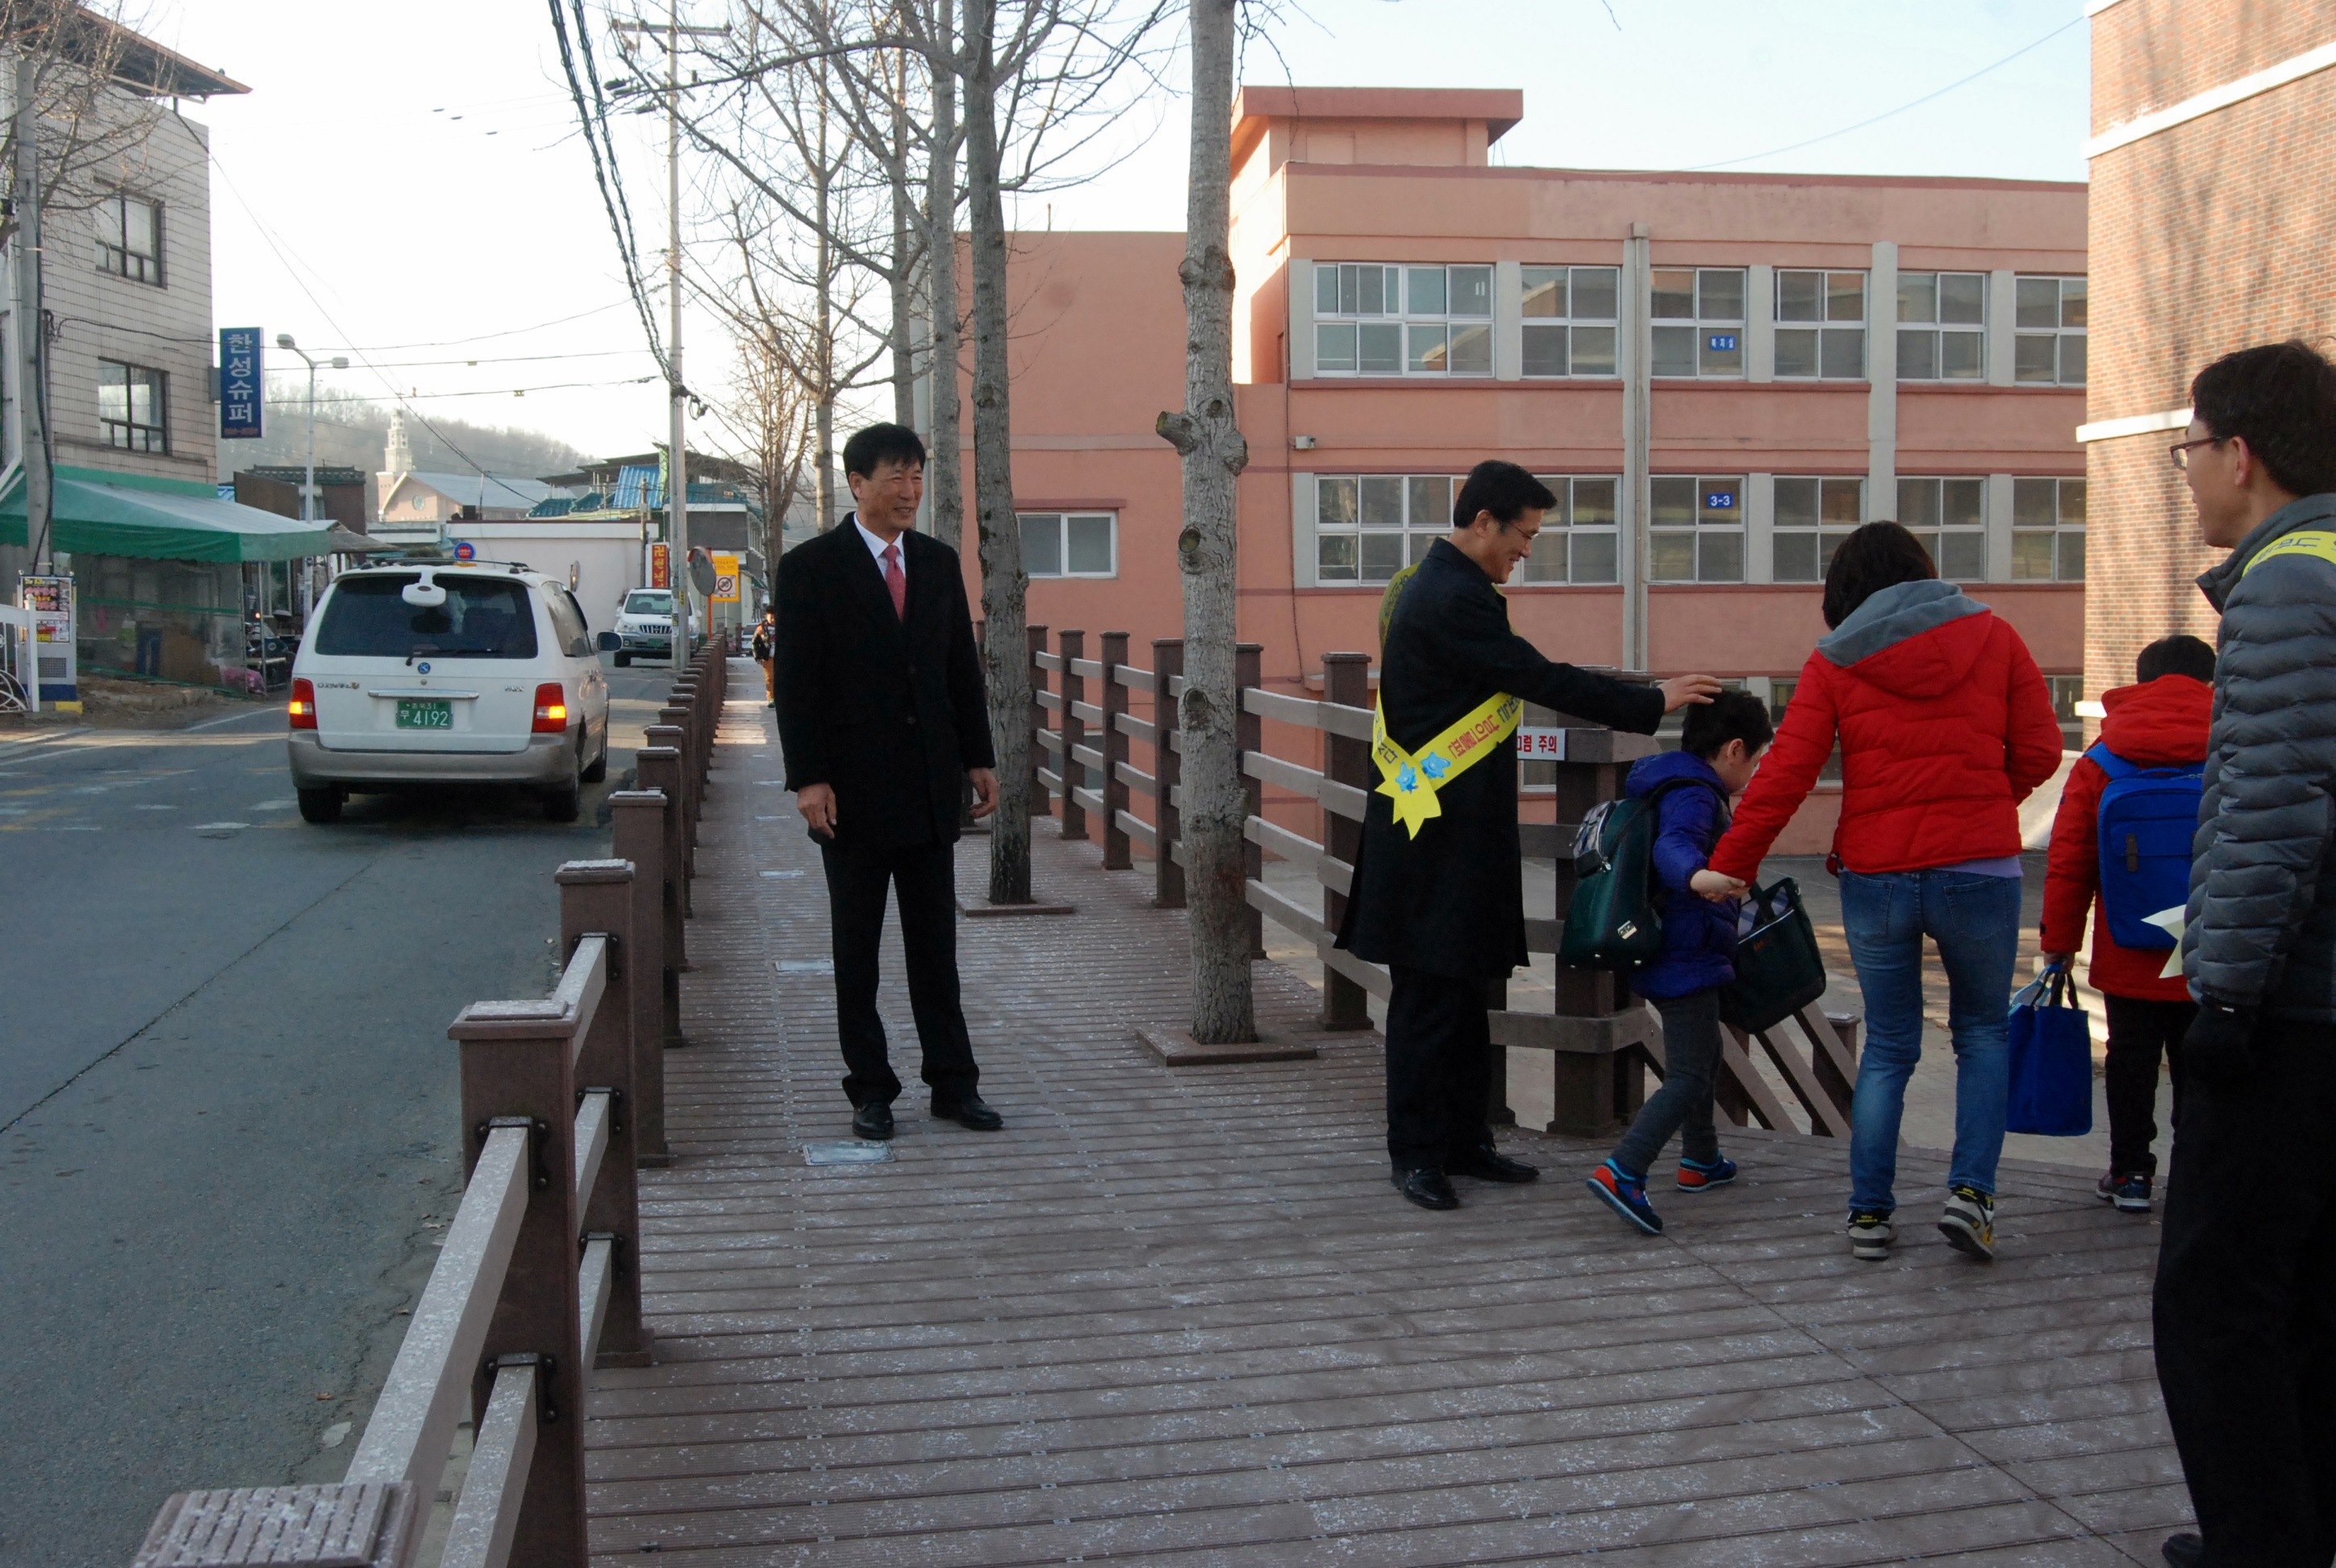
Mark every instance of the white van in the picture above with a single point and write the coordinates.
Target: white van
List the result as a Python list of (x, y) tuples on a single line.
[(464, 673)]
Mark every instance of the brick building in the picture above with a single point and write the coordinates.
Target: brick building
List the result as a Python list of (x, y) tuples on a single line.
[(2214, 187)]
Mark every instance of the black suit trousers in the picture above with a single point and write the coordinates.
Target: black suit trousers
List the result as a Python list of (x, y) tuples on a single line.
[(1439, 1068), (923, 877), (2246, 1307)]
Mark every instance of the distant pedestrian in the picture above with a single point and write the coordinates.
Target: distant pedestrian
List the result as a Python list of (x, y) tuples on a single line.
[(2145, 769), (765, 648), (1720, 748), (1945, 726), (2246, 1273)]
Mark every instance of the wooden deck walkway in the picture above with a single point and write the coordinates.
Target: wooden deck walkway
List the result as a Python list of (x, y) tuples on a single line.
[(1178, 1315)]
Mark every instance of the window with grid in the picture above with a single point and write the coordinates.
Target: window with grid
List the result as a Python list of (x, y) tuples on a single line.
[(132, 406), (1372, 320), (1070, 543), (1695, 528), (2047, 530), (130, 238), (2068, 691), (1369, 526), (1698, 317), (1578, 541), (1942, 327), (2048, 344), (1570, 319), (1813, 517), (1780, 697), (1950, 516), (1820, 324)]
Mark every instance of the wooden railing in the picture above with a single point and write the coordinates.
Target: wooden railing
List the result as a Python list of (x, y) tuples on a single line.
[(1579, 1068), (539, 1278)]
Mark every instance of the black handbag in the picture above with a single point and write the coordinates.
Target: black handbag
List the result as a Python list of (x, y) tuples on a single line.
[(1778, 969)]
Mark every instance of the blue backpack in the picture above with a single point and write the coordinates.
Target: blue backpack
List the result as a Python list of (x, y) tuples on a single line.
[(2148, 817)]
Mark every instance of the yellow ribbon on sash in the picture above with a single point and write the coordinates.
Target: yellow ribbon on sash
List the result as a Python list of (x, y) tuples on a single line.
[(2304, 541), (1411, 780)]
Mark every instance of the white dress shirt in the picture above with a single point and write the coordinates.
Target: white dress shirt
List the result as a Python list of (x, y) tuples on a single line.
[(877, 545)]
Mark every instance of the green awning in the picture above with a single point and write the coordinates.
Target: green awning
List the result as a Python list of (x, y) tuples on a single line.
[(96, 512)]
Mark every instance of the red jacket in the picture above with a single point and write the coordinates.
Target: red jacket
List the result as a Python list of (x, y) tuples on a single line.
[(1945, 726), (2160, 724)]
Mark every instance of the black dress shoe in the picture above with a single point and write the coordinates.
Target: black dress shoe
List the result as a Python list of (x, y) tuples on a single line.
[(974, 1113), (872, 1121), (1487, 1165), (1429, 1187), (2184, 1550)]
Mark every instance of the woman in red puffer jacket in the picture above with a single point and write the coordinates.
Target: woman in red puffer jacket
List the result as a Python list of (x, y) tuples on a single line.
[(1945, 726)]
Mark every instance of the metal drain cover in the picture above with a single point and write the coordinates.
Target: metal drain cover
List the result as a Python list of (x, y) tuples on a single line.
[(858, 1152)]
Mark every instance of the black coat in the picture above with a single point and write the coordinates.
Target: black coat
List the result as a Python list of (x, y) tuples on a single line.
[(1452, 900), (887, 710)]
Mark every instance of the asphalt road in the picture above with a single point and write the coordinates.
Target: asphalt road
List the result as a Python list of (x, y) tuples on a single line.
[(227, 1103)]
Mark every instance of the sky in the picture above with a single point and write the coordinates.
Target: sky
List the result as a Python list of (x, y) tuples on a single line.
[(403, 184)]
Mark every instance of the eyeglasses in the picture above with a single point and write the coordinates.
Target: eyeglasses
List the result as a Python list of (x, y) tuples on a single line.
[(2180, 451)]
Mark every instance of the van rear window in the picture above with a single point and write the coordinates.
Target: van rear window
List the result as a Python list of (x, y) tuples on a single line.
[(483, 618)]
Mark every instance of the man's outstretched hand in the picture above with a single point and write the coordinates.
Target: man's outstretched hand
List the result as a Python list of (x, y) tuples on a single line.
[(1682, 689), (985, 791)]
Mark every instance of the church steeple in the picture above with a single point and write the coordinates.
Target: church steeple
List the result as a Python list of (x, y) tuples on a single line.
[(399, 458)]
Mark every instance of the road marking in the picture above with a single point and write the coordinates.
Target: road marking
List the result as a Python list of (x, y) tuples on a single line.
[(219, 829), (153, 808), (273, 805)]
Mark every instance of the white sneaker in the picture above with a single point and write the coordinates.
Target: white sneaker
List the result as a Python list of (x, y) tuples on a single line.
[(1969, 1223), (1870, 1235)]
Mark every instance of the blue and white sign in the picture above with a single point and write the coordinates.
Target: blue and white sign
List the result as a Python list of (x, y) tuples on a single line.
[(1721, 342), (1719, 501), (243, 384), (466, 551)]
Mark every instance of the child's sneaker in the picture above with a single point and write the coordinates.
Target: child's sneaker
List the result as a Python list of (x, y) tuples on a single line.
[(1969, 1223), (1626, 1195), (2129, 1192), (1870, 1235), (1696, 1176)]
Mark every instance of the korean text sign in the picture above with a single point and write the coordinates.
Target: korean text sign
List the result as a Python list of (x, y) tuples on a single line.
[(242, 384)]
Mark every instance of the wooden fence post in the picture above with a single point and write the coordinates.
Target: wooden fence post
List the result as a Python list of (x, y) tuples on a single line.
[(598, 896), (1249, 736), (1116, 856), (1167, 668), (1074, 733), (640, 833), (673, 729), (1042, 801), (659, 767), (1346, 680)]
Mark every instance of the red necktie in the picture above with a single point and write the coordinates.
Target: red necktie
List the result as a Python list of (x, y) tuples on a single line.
[(895, 581)]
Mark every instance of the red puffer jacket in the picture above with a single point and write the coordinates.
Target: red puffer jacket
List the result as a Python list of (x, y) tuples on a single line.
[(2160, 724), (1945, 726)]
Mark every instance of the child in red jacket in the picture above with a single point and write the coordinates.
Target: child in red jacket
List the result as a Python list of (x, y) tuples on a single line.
[(2160, 722)]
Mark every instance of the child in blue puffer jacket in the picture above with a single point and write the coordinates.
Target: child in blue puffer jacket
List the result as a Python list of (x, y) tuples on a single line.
[(1719, 750)]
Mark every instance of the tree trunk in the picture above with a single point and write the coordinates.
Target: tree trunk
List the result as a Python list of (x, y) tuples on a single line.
[(945, 475), (823, 332), (1210, 443), (1007, 647), (902, 281)]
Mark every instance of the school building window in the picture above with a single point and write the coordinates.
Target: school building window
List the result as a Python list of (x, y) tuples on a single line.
[(1942, 326), (1070, 543), (2068, 691), (132, 406), (1813, 517), (130, 238), (1369, 526), (1376, 320), (2047, 530), (1950, 516), (1577, 542), (1569, 315), (1834, 350), (1695, 528), (1698, 320), (2048, 346)]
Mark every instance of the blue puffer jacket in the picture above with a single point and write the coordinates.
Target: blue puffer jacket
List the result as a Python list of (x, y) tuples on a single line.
[(1698, 935)]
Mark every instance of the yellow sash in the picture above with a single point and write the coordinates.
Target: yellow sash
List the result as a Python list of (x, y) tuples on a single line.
[(1412, 780), (2304, 541)]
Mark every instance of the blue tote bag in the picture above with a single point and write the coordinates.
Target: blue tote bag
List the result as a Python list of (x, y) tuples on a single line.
[(2051, 1060)]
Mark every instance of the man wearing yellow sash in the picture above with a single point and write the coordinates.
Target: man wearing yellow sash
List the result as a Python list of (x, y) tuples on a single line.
[(1438, 891)]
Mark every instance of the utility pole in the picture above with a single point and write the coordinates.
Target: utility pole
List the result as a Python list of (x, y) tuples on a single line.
[(31, 325)]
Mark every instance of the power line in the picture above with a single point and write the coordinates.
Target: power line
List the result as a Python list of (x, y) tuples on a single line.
[(486, 337), (605, 172), (492, 392), (1887, 113), (509, 359)]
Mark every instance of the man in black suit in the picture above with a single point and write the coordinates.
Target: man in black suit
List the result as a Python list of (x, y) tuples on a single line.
[(883, 721), (1444, 906)]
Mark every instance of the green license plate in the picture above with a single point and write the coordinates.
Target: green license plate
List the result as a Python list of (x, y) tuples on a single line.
[(414, 713)]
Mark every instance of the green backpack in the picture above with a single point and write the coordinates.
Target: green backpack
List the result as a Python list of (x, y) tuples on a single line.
[(1611, 922)]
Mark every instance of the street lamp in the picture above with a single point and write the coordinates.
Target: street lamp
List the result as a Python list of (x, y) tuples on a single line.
[(308, 485)]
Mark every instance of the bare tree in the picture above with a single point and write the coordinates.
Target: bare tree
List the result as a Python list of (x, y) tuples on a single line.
[(76, 73), (1209, 439), (774, 414), (945, 478)]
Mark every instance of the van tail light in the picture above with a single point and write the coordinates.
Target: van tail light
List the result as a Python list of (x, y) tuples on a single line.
[(303, 707), (550, 709)]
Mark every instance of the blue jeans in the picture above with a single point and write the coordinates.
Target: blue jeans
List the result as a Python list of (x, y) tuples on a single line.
[(1975, 922), (1683, 1104)]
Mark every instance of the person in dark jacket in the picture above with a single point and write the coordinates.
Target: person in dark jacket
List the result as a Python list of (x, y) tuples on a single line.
[(1439, 895), (765, 648), (1720, 748), (1945, 725), (2245, 1303), (2158, 722), (883, 721)]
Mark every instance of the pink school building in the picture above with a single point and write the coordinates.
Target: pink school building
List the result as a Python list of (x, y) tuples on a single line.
[(1718, 374)]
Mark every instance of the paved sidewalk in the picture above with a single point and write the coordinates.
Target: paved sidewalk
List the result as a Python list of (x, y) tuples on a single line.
[(1178, 1315)]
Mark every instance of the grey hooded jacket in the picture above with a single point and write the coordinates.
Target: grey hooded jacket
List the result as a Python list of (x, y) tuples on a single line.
[(2261, 926)]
